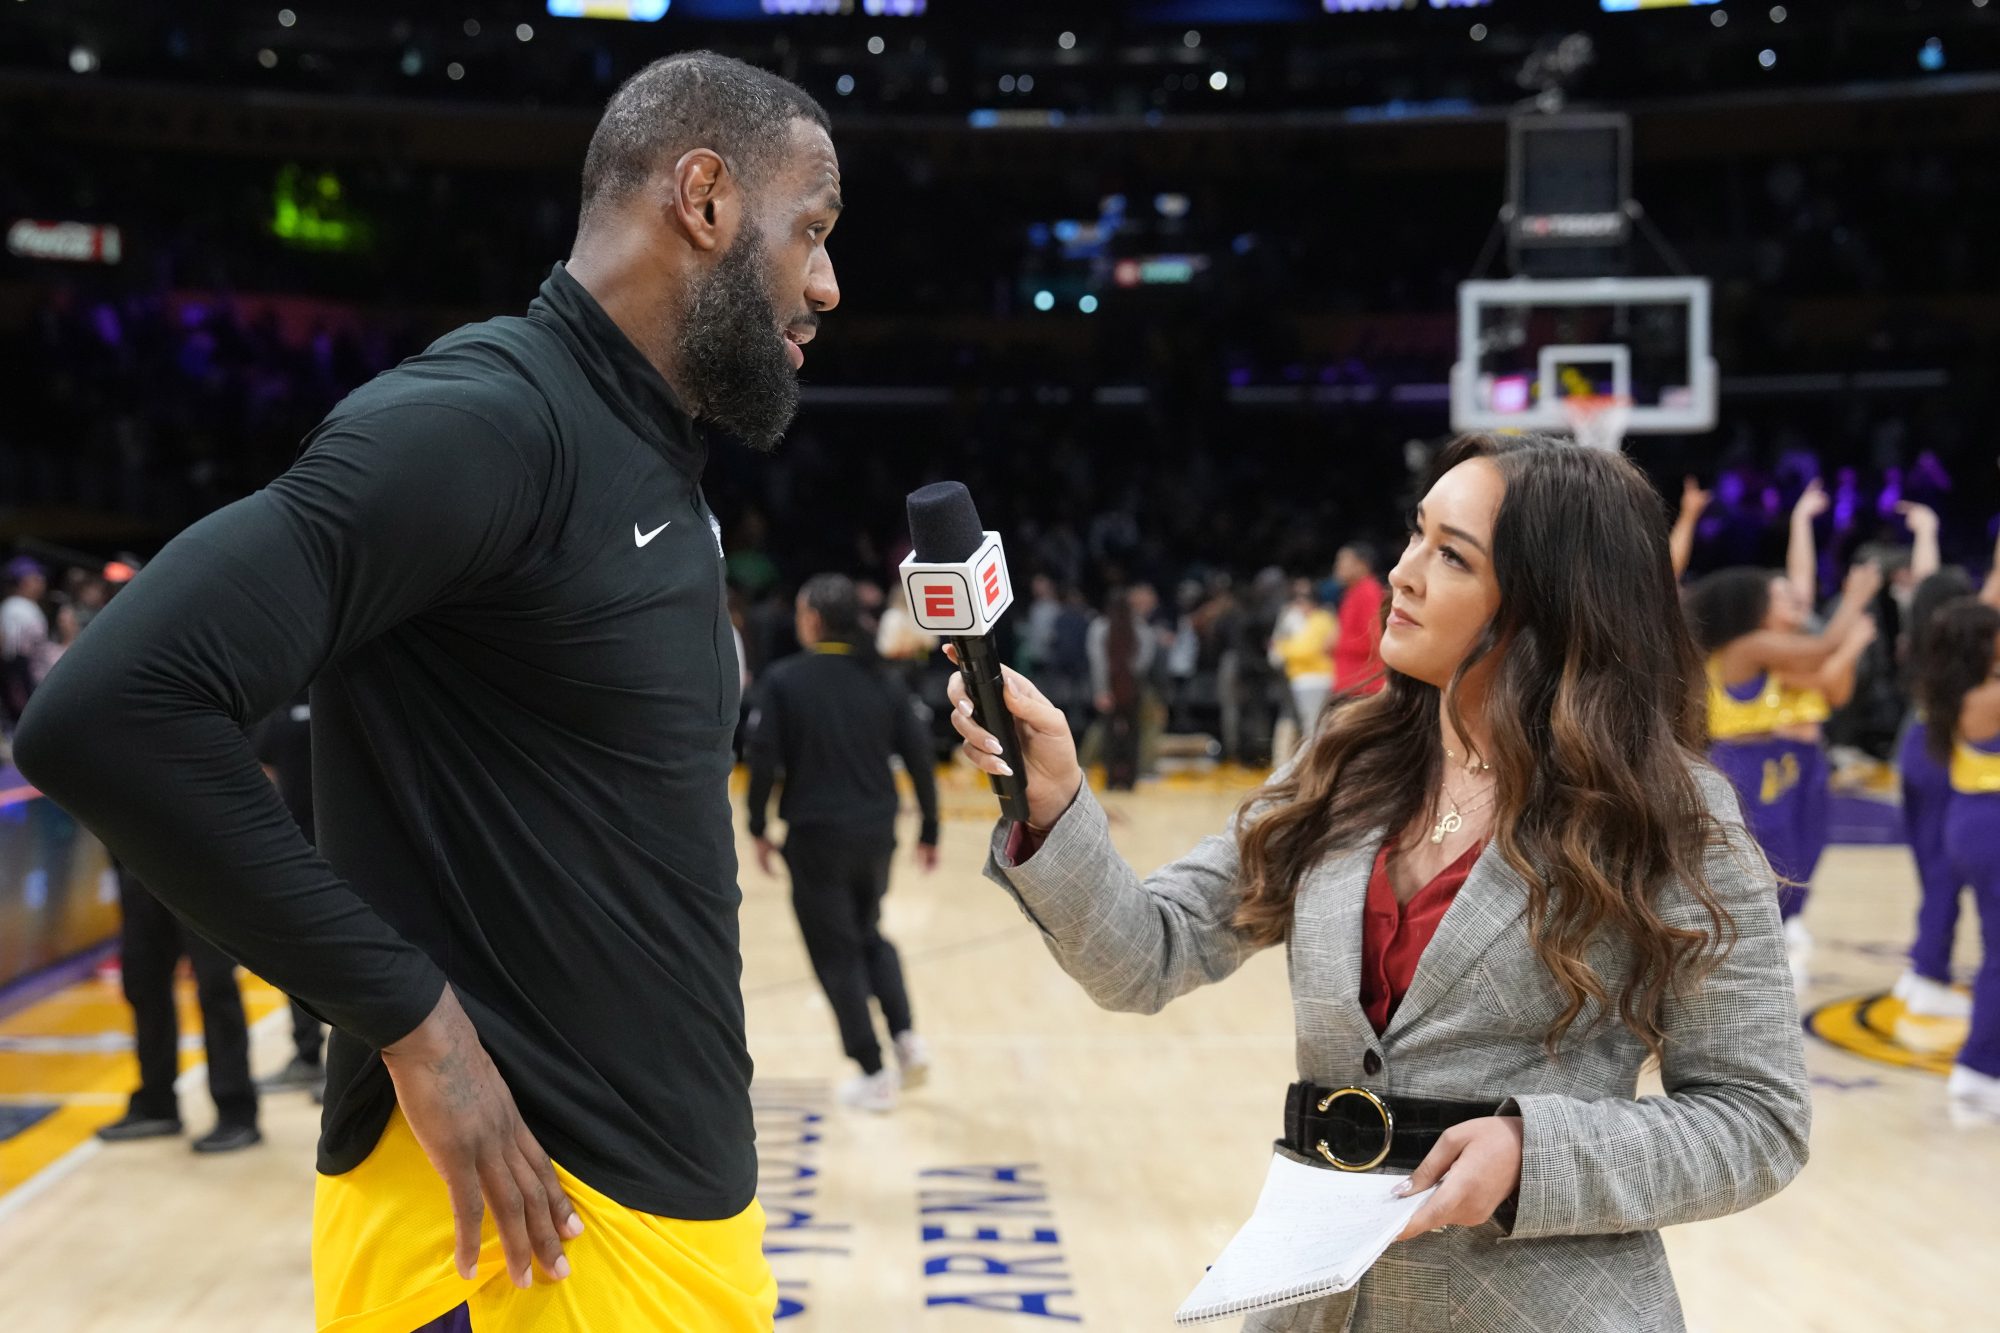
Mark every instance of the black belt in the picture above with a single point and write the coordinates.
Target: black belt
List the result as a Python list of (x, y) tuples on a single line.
[(1357, 1129)]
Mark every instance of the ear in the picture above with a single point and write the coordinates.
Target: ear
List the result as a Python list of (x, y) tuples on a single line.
[(705, 205)]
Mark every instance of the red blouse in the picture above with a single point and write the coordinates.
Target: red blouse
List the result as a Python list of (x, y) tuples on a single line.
[(1394, 935)]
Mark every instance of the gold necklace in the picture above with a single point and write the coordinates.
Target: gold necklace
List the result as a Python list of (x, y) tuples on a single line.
[(1473, 764), (1452, 820)]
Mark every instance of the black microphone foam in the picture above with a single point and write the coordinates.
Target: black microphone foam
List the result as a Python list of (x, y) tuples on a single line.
[(944, 523)]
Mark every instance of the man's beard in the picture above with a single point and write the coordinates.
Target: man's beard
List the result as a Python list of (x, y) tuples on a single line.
[(733, 365)]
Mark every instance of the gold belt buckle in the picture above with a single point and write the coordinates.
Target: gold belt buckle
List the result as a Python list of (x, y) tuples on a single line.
[(1388, 1129)]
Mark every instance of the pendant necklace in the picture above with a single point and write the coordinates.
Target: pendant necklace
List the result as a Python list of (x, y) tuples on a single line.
[(1452, 820)]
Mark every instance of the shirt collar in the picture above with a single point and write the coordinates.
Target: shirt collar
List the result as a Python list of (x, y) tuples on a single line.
[(624, 378)]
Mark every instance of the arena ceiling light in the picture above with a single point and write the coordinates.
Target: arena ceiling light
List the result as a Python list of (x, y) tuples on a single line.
[(1067, 41), (1218, 81), (286, 18), (82, 59), (524, 32)]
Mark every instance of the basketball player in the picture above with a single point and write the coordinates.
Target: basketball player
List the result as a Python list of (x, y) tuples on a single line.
[(497, 567)]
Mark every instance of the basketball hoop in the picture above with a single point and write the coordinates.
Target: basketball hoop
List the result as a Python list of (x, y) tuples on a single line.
[(1597, 420)]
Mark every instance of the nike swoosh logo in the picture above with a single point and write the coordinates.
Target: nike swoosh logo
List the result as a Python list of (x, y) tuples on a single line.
[(642, 539)]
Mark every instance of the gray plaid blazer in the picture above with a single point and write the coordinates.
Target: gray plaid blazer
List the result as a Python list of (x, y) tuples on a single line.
[(1602, 1170)]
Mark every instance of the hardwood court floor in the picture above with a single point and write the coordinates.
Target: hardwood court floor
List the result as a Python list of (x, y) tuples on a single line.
[(1064, 1164)]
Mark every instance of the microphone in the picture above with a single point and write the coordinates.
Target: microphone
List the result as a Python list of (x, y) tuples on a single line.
[(956, 580)]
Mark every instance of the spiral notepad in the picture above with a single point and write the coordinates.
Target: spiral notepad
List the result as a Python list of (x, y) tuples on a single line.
[(1314, 1233)]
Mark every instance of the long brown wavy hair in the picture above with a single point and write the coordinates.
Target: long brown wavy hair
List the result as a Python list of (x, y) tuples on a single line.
[(1957, 659), (1597, 710)]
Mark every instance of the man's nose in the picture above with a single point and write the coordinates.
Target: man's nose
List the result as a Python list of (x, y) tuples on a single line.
[(822, 288)]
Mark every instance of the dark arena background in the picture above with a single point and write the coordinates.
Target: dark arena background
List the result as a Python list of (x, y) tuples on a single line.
[(1188, 293)]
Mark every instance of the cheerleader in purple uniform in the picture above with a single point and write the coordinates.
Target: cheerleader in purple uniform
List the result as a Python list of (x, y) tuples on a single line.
[(1961, 681), (1771, 685), (1925, 988)]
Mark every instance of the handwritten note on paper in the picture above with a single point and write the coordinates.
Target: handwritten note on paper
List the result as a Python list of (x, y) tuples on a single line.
[(1314, 1233)]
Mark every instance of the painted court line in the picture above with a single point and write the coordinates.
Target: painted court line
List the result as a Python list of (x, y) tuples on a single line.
[(191, 1080)]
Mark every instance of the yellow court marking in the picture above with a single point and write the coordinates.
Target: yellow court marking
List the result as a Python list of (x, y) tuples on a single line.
[(1875, 1027), (72, 1050)]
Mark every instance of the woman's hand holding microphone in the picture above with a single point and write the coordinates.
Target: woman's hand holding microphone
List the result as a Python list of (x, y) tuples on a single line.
[(1048, 752)]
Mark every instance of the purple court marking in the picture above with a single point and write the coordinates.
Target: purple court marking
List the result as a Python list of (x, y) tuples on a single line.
[(1862, 821), (16, 1119), (18, 995)]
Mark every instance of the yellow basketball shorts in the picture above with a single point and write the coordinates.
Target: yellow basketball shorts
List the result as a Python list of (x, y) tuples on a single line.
[(382, 1261)]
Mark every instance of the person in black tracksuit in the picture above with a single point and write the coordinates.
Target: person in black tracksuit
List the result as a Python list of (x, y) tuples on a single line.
[(284, 747), (830, 719), (153, 941)]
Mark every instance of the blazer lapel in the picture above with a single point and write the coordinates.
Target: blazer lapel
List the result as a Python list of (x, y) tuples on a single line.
[(1326, 934), (1487, 904)]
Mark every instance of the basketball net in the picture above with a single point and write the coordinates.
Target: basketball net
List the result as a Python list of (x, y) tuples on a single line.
[(1597, 420)]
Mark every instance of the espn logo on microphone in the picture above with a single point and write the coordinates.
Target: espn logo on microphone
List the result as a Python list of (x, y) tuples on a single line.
[(967, 597)]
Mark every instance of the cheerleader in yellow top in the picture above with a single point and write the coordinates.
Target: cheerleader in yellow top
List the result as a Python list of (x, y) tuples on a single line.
[(1771, 685), (1959, 691)]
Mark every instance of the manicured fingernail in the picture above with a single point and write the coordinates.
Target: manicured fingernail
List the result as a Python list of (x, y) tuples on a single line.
[(965, 707), (467, 1271), (1006, 770), (574, 1227), (561, 1270), (1401, 1189), (993, 744), (525, 1278)]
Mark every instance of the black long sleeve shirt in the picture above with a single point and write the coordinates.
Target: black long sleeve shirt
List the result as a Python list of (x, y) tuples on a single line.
[(830, 720), (283, 744), (496, 565)]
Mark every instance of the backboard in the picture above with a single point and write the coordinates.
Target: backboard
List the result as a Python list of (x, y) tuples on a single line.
[(1525, 344)]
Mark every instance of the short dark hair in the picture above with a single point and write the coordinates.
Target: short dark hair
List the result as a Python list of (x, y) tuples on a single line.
[(1367, 554), (696, 99), (834, 597)]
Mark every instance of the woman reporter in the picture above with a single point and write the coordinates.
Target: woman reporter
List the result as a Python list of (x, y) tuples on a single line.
[(1504, 883)]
